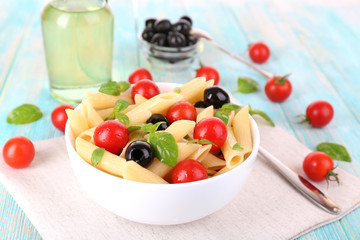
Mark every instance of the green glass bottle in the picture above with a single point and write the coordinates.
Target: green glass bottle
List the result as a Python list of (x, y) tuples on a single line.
[(78, 41)]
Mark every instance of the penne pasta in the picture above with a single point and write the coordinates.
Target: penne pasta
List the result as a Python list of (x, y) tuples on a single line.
[(78, 123), (139, 99), (90, 114), (185, 150), (221, 171), (109, 163), (207, 112), (180, 129), (88, 135), (134, 172), (101, 100), (200, 154), (232, 157), (242, 131), (212, 162)]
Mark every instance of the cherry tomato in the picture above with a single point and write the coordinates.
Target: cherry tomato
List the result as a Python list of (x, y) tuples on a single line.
[(111, 135), (145, 88), (319, 113), (209, 73), (188, 170), (139, 74), (278, 88), (259, 52), (212, 129), (59, 117), (18, 152), (181, 111), (318, 166)]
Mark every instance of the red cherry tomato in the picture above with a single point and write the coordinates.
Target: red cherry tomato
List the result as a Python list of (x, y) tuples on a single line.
[(59, 117), (209, 73), (139, 74), (278, 88), (111, 135), (212, 129), (188, 171), (259, 52), (318, 166), (181, 111), (319, 113), (18, 152), (145, 88)]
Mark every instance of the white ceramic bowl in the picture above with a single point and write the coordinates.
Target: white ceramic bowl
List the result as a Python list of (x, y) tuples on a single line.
[(159, 204)]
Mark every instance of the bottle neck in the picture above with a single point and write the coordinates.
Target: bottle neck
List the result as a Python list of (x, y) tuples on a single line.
[(78, 5)]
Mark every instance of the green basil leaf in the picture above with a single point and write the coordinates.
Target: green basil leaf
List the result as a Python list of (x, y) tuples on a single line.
[(193, 141), (177, 90), (237, 147), (96, 156), (335, 151), (110, 117), (205, 141), (133, 128), (263, 115), (187, 136), (26, 113), (110, 88), (121, 105), (123, 118), (149, 127), (165, 147), (202, 141), (157, 125), (123, 86), (223, 116), (247, 85), (228, 107)]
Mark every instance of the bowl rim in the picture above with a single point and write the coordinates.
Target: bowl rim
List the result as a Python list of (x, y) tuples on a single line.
[(254, 133)]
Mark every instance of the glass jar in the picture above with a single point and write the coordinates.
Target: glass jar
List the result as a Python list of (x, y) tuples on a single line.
[(78, 41)]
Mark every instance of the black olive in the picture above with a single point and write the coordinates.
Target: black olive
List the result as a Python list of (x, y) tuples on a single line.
[(176, 39), (159, 118), (149, 23), (215, 96), (200, 104), (182, 26), (140, 152), (187, 19), (159, 39), (191, 41), (162, 26), (147, 34)]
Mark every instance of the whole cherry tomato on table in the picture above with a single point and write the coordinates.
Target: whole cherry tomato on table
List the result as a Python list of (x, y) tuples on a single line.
[(319, 113), (259, 52), (139, 74), (18, 152), (319, 166), (181, 111), (59, 117), (212, 129), (145, 88), (278, 88), (188, 171), (208, 73), (111, 135)]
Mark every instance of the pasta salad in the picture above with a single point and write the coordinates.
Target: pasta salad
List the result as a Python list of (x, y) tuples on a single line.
[(189, 134)]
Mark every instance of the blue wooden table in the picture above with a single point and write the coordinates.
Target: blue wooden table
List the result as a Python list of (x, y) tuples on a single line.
[(317, 42)]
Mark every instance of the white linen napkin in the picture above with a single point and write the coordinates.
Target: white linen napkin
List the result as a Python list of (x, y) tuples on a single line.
[(268, 207)]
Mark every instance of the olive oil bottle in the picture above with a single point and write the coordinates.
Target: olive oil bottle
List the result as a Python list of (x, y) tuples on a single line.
[(78, 41)]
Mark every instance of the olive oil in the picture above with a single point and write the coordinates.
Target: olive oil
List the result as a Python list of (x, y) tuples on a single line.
[(78, 40)]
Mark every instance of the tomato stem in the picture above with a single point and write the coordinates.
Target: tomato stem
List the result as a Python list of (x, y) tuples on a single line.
[(332, 176), (304, 119), (282, 80)]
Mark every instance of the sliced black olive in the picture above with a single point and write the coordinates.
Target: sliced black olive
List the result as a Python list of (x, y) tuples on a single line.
[(159, 118), (148, 34), (176, 39), (140, 152), (215, 96), (159, 39), (182, 26), (187, 19), (149, 23), (200, 104)]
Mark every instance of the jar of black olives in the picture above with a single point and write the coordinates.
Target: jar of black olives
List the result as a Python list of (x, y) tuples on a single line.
[(167, 45)]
